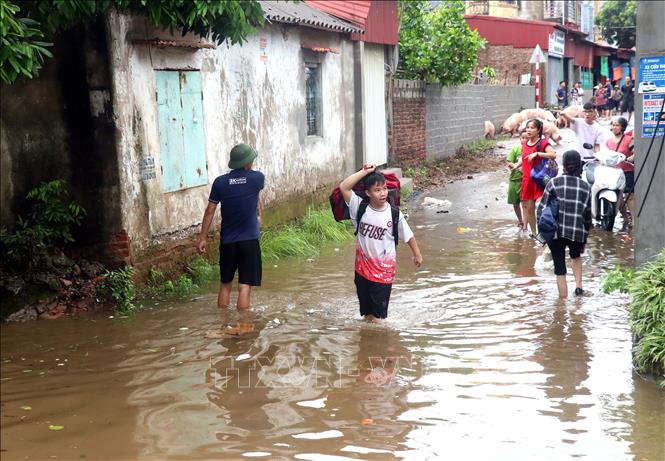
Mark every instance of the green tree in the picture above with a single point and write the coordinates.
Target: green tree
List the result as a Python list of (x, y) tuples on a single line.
[(617, 21), (437, 44), (27, 26)]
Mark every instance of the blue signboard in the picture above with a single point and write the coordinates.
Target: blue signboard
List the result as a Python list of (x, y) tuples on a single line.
[(652, 104), (651, 77)]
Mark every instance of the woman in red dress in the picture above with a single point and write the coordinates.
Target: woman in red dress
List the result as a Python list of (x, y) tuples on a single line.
[(535, 149)]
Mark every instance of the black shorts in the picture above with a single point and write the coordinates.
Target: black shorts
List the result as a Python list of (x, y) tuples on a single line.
[(630, 181), (627, 106), (244, 256), (373, 297), (558, 249)]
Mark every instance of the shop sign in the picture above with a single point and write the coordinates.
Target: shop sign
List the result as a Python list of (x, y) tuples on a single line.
[(556, 44)]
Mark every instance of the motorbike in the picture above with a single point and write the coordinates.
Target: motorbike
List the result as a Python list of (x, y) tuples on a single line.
[(607, 183)]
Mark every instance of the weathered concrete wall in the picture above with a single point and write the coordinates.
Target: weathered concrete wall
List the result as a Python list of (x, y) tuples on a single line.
[(456, 115), (650, 230), (245, 99), (58, 126), (409, 122)]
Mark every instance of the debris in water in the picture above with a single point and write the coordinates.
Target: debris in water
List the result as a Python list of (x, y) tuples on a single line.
[(213, 334), (436, 203), (463, 230), (55, 427), (318, 435)]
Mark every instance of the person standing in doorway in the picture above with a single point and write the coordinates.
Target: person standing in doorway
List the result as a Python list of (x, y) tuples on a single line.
[(574, 219), (562, 94), (577, 94), (601, 99), (616, 99), (535, 149), (628, 99), (239, 250)]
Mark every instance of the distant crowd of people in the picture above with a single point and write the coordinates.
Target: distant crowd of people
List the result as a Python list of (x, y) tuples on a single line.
[(610, 98)]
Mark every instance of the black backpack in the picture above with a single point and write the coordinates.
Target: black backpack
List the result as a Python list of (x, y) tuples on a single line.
[(394, 211)]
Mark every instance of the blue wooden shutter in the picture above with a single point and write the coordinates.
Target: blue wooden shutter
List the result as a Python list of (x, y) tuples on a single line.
[(181, 138), (195, 172), (171, 146)]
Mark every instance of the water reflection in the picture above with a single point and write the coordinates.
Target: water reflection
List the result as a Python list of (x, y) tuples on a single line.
[(564, 355)]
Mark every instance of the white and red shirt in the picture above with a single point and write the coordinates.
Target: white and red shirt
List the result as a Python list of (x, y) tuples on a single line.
[(376, 258)]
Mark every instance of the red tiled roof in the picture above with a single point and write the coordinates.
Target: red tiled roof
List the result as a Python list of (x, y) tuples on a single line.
[(355, 11)]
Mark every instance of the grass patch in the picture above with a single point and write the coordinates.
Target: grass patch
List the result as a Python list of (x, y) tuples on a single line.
[(618, 279), (202, 271), (647, 313), (119, 287), (198, 271), (476, 147), (305, 237), (647, 318)]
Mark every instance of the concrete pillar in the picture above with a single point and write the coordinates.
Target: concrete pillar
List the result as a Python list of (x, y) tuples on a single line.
[(650, 231), (359, 103)]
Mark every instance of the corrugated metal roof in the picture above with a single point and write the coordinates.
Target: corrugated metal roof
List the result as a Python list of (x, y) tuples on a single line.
[(355, 11), (305, 15)]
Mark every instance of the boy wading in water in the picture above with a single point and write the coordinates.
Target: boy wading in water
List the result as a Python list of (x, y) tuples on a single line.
[(376, 258)]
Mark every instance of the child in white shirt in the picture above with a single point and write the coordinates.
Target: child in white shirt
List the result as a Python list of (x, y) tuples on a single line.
[(376, 257)]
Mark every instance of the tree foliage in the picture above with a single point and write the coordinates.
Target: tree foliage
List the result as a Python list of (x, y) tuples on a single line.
[(27, 25), (23, 49), (617, 21), (437, 44)]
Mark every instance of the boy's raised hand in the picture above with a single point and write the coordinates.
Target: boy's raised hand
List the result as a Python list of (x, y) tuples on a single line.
[(369, 167)]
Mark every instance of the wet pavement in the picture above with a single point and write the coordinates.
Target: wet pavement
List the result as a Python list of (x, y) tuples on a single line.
[(478, 360)]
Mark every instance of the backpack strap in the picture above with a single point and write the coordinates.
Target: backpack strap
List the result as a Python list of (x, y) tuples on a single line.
[(394, 212), (361, 211)]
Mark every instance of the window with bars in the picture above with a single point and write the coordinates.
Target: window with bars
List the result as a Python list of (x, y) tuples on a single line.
[(313, 98)]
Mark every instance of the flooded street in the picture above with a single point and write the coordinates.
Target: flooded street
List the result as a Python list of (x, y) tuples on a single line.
[(478, 360)]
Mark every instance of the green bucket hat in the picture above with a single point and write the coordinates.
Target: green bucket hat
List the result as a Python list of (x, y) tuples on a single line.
[(241, 155)]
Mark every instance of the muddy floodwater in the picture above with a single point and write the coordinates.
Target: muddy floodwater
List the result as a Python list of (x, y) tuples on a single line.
[(478, 361)]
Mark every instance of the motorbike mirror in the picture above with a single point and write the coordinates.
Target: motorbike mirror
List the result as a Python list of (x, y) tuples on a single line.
[(586, 145)]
